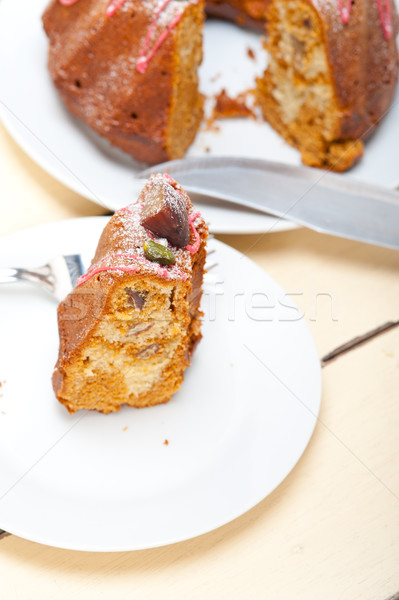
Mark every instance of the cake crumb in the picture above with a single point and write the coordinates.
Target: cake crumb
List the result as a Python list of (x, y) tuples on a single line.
[(166, 443), (230, 108), (125, 428), (210, 125), (251, 53), (207, 149)]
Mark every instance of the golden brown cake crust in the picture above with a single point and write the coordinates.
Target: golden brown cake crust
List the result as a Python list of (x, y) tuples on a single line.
[(129, 315), (93, 63)]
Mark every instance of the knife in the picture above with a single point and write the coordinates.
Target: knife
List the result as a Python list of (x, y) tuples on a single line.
[(323, 201)]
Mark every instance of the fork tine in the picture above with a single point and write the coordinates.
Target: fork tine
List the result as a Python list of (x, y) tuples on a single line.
[(75, 266)]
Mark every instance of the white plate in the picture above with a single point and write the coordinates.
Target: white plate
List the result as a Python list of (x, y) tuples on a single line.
[(36, 117), (239, 424)]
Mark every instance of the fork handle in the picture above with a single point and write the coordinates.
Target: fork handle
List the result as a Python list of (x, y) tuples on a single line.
[(40, 276)]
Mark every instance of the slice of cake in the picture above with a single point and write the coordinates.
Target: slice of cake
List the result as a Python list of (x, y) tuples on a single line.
[(129, 327), (331, 75)]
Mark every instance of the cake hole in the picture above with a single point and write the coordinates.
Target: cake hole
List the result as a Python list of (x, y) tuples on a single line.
[(78, 84), (307, 24), (134, 115)]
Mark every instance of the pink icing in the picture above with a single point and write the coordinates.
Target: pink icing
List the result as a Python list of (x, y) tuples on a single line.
[(384, 12), (385, 15), (92, 272), (169, 179), (144, 59), (113, 7), (195, 247), (97, 268), (345, 11)]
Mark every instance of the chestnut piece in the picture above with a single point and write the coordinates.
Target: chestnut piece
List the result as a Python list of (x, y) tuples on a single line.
[(165, 214)]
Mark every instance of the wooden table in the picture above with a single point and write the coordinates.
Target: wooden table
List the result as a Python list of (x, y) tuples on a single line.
[(331, 529)]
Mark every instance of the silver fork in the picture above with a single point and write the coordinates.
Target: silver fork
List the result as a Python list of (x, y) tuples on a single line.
[(58, 276)]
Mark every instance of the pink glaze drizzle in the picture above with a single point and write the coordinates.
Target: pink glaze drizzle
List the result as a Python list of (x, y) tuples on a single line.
[(170, 179), (113, 7), (384, 12), (195, 247), (97, 268), (385, 17), (125, 209), (144, 59), (345, 11)]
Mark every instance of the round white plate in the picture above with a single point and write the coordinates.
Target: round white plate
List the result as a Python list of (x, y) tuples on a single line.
[(239, 424), (36, 117)]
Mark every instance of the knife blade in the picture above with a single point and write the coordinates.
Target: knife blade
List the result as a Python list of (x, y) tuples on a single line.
[(323, 201)]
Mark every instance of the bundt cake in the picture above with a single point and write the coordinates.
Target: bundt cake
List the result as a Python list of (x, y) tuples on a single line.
[(128, 68), (129, 327), (331, 75)]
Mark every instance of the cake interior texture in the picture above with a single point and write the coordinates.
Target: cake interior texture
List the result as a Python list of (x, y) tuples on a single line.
[(138, 350), (319, 89)]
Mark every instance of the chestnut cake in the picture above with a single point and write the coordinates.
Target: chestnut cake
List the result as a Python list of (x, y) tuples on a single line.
[(129, 70), (129, 327)]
